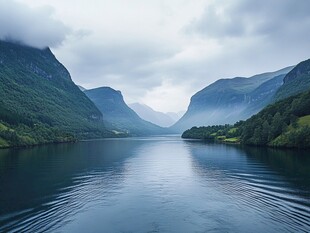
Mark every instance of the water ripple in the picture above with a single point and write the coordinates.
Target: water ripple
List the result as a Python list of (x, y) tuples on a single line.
[(159, 186)]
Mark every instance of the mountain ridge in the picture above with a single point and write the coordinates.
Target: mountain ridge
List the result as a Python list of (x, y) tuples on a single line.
[(39, 101), (117, 115), (229, 100), (295, 82)]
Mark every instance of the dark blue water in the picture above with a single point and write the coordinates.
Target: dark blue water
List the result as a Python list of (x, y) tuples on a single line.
[(160, 184)]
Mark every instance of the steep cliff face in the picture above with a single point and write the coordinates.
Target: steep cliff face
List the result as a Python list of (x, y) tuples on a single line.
[(118, 116), (38, 95), (295, 82), (229, 100)]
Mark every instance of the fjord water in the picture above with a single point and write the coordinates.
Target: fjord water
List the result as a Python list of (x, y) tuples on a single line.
[(156, 184)]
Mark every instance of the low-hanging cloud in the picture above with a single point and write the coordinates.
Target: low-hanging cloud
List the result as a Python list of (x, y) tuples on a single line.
[(162, 52), (30, 26)]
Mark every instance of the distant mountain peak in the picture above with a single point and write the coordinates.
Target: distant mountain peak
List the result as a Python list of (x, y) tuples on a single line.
[(151, 115)]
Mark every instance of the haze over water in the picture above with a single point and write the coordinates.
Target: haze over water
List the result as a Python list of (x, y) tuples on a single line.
[(155, 184)]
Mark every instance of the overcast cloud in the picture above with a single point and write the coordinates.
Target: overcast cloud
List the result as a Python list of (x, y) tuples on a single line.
[(32, 26), (242, 18), (161, 52)]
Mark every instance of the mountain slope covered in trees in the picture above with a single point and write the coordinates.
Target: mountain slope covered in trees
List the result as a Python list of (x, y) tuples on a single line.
[(285, 123), (39, 103)]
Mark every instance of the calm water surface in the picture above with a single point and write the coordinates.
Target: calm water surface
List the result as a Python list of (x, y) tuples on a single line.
[(159, 184)]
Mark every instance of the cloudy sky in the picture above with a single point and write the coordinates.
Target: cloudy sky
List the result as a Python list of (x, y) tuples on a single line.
[(160, 52)]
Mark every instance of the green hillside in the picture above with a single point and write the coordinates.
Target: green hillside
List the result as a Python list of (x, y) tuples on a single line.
[(283, 124), (304, 121), (39, 103), (280, 124)]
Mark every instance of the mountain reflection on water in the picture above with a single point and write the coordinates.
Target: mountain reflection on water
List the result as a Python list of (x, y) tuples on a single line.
[(156, 184)]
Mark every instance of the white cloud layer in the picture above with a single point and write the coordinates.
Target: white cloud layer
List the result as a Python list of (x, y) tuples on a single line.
[(161, 52), (32, 26)]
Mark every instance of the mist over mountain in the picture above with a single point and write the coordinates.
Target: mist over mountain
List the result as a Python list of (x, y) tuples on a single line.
[(149, 114), (38, 96), (39, 103), (285, 122), (176, 115), (118, 116), (32, 26), (229, 100)]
